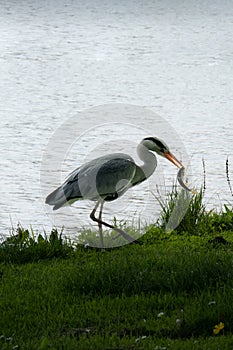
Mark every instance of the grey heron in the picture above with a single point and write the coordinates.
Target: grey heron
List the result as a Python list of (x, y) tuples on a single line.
[(108, 177)]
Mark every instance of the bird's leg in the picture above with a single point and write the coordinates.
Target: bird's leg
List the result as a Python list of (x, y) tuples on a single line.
[(92, 216), (101, 222)]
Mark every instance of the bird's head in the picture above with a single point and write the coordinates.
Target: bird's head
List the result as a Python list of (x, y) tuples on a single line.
[(156, 145)]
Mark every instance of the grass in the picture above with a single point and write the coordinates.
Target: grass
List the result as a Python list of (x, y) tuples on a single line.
[(171, 293), (167, 293)]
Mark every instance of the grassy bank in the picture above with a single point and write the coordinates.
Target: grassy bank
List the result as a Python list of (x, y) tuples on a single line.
[(170, 292)]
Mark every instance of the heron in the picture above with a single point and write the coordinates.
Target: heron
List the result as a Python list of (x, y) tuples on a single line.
[(108, 177)]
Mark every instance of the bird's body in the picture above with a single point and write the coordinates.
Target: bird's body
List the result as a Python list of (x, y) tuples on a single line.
[(86, 182), (108, 177)]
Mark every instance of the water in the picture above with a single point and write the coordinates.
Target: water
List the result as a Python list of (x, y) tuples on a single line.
[(57, 60)]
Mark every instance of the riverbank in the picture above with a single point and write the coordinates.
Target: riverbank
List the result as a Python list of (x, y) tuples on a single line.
[(170, 292)]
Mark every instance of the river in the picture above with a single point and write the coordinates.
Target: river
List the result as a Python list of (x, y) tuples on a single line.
[(58, 60)]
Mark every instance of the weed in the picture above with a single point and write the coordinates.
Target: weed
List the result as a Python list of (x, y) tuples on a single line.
[(172, 292), (22, 247), (228, 176)]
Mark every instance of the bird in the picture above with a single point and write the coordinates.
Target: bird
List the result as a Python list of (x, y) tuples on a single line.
[(108, 177)]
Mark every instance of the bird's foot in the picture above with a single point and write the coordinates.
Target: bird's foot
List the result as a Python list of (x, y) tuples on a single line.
[(126, 236)]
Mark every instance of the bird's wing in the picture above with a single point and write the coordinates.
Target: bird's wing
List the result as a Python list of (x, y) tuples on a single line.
[(72, 175), (115, 177), (107, 176)]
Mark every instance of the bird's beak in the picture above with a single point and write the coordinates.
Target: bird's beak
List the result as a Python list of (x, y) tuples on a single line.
[(173, 159)]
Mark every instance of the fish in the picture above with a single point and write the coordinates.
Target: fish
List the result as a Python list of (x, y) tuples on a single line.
[(184, 184)]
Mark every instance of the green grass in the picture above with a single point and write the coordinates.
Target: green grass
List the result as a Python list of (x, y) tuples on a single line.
[(167, 293)]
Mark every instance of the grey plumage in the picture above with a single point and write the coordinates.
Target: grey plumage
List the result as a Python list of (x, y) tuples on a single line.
[(108, 177)]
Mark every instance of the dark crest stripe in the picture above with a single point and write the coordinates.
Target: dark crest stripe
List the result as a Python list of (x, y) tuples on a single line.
[(158, 142)]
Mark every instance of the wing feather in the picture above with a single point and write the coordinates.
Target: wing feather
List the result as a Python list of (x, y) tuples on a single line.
[(106, 177)]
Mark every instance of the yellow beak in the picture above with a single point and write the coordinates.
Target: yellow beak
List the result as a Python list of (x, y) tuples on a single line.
[(173, 159)]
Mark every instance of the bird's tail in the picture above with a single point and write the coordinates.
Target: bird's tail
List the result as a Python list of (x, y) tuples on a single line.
[(57, 198)]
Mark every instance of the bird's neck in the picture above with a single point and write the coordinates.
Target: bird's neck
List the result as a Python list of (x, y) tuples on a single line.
[(148, 158)]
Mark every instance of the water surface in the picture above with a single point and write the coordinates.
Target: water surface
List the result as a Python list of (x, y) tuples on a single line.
[(56, 60)]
